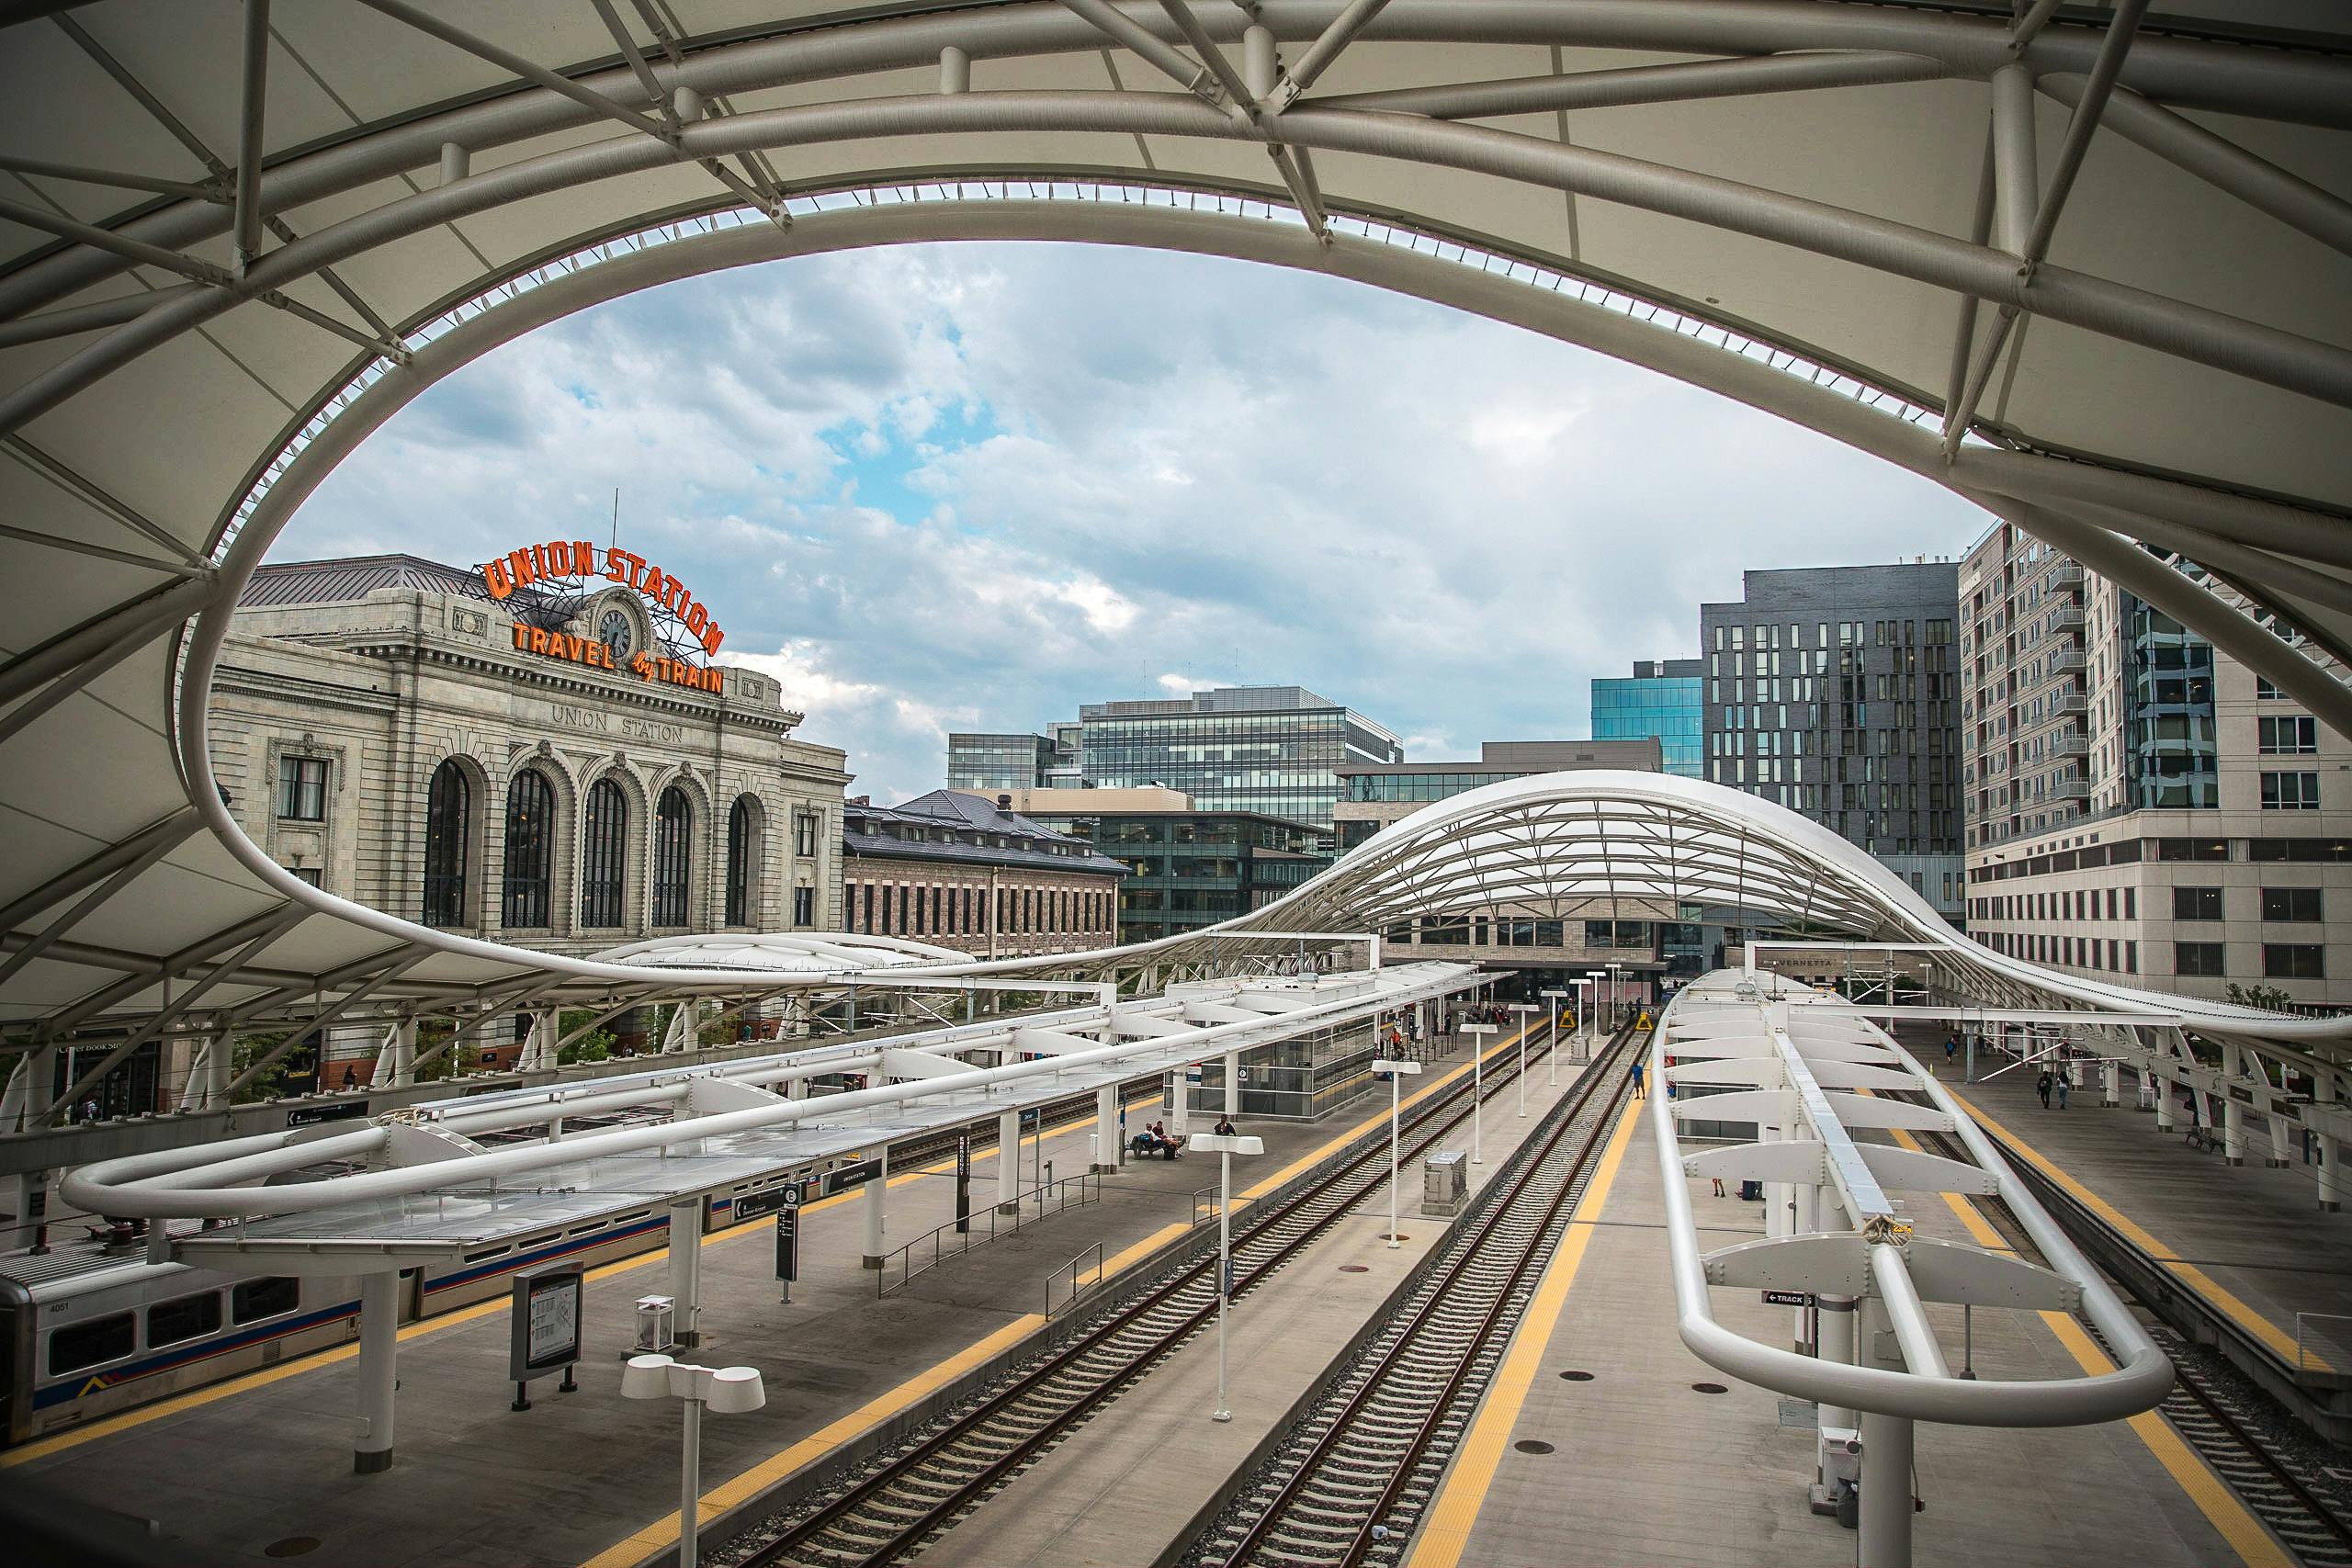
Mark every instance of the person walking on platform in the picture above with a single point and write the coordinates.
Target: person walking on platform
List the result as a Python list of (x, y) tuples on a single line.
[(1639, 1092), (2065, 1086), (1952, 1048), (2044, 1084)]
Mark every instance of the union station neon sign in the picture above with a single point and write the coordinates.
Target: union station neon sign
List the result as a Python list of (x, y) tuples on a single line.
[(565, 560)]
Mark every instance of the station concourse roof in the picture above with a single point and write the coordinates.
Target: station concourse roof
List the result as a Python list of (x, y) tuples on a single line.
[(2088, 267)]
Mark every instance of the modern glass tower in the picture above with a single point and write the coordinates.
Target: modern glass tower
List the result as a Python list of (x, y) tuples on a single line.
[(1665, 699), (987, 762), (1835, 691)]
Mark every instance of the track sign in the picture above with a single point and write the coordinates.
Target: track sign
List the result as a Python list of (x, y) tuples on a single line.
[(850, 1176), (1788, 1298), (788, 1243)]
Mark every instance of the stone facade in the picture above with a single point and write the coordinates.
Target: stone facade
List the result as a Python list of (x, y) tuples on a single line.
[(387, 668)]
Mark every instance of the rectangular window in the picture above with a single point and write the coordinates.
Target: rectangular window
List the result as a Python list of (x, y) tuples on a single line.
[(2294, 961), (2131, 903), (804, 835), (2290, 904), (2291, 792), (804, 907), (91, 1344), (302, 789), (308, 873), (2196, 903), (2197, 958), (2289, 735), (250, 1301), (190, 1317)]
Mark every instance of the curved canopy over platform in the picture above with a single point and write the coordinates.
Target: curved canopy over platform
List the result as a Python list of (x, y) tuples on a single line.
[(2088, 271)]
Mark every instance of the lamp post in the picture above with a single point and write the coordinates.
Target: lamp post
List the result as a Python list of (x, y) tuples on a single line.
[(1523, 1009), (730, 1391), (1225, 1145), (1393, 1070), (1477, 1089), (1551, 1061), (1594, 977)]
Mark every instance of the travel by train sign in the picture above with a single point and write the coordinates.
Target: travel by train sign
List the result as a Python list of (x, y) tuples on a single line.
[(567, 567)]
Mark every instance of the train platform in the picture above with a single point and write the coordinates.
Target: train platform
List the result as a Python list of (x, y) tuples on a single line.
[(1133, 1487), (258, 1470), (2251, 1240), (1603, 1430)]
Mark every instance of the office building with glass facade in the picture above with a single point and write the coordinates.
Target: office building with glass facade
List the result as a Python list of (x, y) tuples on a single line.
[(990, 762), (1374, 795), (1834, 691), (1187, 866), (1275, 750), (2142, 807), (1662, 698)]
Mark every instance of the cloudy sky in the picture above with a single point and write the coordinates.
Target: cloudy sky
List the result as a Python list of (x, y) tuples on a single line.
[(960, 487)]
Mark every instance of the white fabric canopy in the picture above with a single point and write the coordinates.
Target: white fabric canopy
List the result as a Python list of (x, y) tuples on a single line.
[(235, 237)]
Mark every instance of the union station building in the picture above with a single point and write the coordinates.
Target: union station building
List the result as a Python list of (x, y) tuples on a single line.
[(550, 766)]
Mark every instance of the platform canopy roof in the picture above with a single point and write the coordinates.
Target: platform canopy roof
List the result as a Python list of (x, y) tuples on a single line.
[(2086, 265)]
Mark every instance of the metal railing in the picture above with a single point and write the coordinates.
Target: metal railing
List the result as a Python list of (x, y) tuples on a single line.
[(1071, 1271), (1205, 1203), (935, 1247)]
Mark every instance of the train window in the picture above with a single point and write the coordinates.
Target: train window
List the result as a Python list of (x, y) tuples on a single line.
[(584, 1230), (253, 1300), (190, 1318), (89, 1343), (488, 1252)]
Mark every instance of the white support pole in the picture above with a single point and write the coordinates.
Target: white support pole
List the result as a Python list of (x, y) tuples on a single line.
[(1886, 1492), (1233, 1083), (1106, 1130), (685, 1267), (690, 1488), (2331, 1177), (1395, 1105), (1224, 1271), (2232, 1113), (1179, 1114), (876, 1221), (379, 1306), (1007, 1161)]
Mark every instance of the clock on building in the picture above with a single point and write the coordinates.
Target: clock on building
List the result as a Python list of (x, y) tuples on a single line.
[(618, 632)]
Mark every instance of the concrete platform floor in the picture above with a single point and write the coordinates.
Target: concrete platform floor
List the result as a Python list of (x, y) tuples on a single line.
[(1642, 1467), (2251, 1239), (590, 1477), (1128, 1490)]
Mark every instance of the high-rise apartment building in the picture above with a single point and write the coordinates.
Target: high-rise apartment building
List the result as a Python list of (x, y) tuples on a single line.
[(1271, 750), (1664, 699), (1834, 691), (2142, 807)]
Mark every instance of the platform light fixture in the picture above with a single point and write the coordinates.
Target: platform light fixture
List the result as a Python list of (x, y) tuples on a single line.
[(1396, 1071), (1225, 1145), (730, 1391)]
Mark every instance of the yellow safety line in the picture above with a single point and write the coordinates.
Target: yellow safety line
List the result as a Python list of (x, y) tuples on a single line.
[(310, 1362), (1444, 1537), (2230, 1518), (663, 1532), (2213, 1290)]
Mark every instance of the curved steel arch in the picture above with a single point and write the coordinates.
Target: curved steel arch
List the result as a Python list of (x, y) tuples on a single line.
[(366, 251)]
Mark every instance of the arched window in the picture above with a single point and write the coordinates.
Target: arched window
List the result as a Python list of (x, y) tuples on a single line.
[(742, 843), (530, 849), (673, 820), (604, 855), (449, 831)]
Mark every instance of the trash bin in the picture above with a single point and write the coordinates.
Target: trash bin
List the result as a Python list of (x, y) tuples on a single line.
[(656, 1324)]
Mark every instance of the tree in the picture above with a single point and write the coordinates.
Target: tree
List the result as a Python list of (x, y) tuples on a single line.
[(280, 1077), (2270, 998)]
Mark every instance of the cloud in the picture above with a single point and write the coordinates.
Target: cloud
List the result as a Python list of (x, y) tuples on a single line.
[(977, 486)]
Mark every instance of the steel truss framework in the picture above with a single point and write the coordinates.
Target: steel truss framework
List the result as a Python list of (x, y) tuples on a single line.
[(2090, 273)]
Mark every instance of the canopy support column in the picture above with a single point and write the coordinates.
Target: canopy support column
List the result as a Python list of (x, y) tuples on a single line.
[(1106, 1130), (685, 1268), (1008, 1162), (379, 1307), (878, 1194)]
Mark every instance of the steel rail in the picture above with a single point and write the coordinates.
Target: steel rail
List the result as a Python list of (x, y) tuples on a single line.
[(1435, 1301), (1446, 1111)]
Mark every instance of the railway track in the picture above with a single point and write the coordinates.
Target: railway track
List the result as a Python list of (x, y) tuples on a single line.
[(1354, 1479), (907, 1497), (2279, 1470)]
